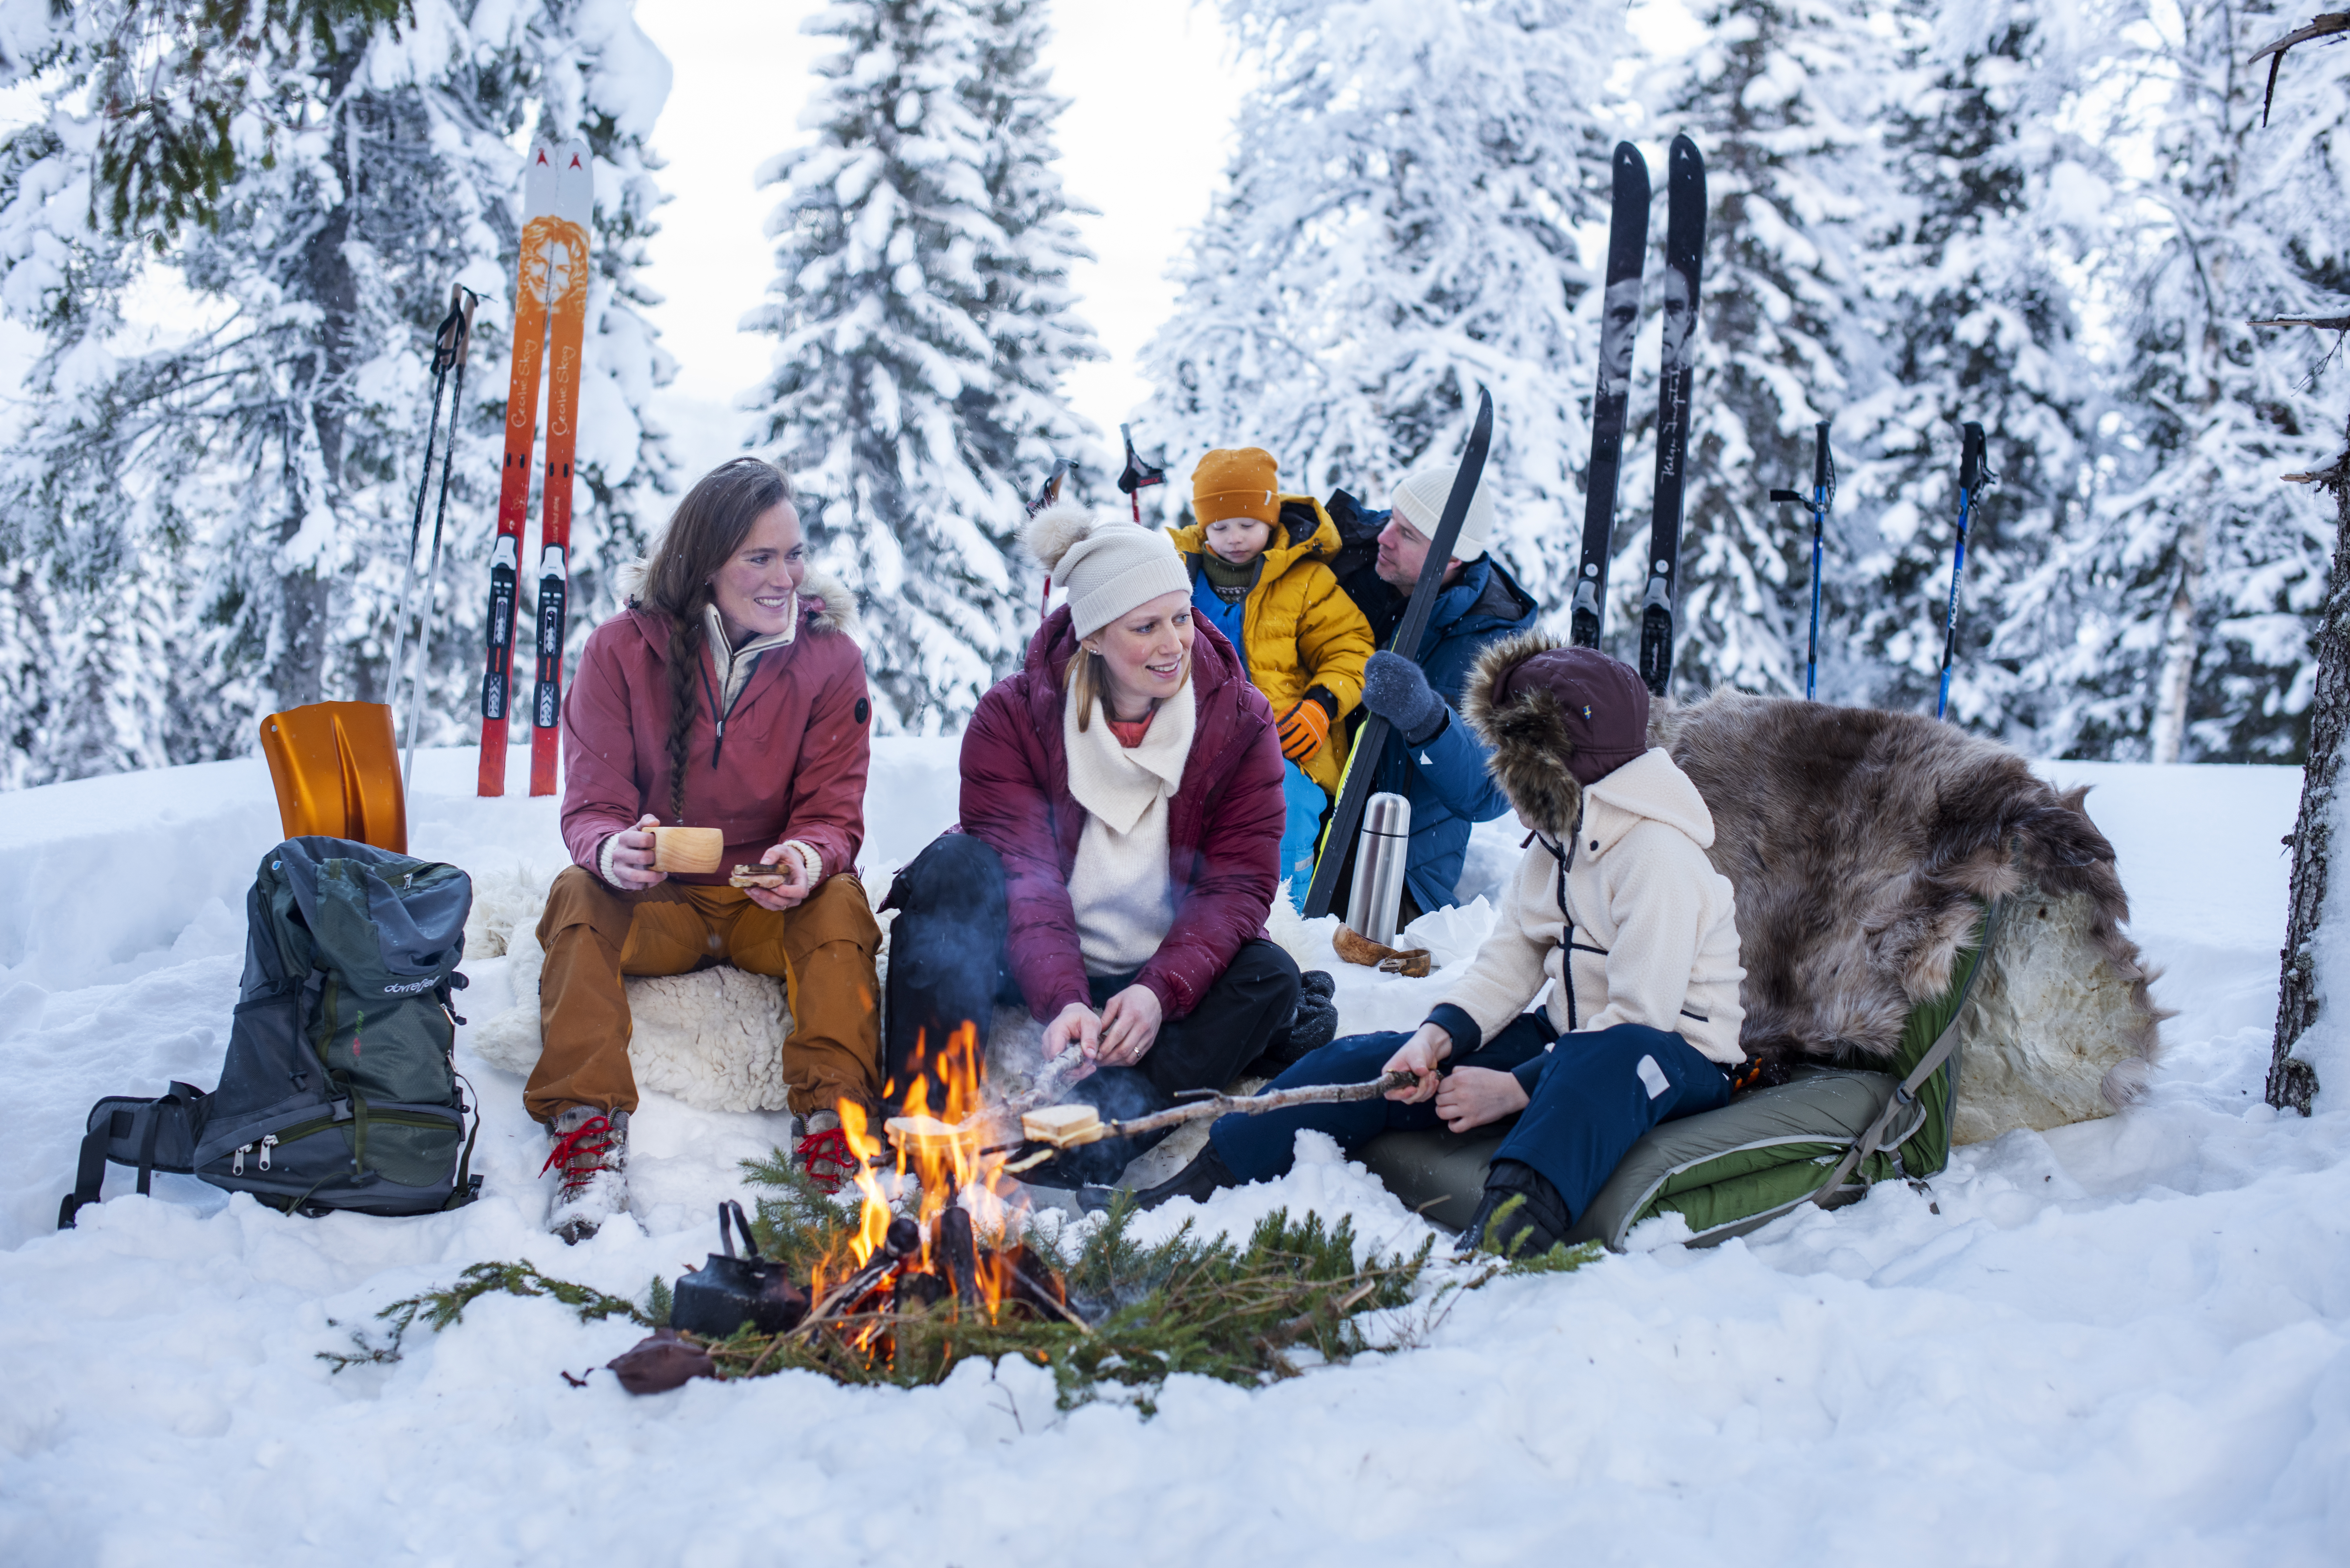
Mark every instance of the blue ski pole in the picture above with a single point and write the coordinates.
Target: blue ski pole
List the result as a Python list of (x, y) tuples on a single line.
[(1973, 478), (1823, 497)]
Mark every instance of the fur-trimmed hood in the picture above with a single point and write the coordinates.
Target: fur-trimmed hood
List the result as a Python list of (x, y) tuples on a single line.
[(825, 603), (1554, 717)]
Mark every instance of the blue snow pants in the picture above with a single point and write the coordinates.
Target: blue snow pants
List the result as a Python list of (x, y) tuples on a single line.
[(1301, 829), (1590, 1099)]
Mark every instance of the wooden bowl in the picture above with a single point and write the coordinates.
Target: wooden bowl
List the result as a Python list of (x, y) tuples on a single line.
[(695, 851)]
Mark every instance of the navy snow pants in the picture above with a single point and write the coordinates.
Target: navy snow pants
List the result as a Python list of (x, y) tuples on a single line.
[(1592, 1098)]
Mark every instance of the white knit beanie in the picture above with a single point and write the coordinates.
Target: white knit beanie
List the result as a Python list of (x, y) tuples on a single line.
[(1107, 565), (1421, 497)]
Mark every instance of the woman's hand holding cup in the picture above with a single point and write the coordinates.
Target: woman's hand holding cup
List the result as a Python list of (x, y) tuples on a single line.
[(632, 857)]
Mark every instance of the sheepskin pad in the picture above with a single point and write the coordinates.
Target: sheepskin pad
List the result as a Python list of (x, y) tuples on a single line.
[(714, 1039), (1863, 845)]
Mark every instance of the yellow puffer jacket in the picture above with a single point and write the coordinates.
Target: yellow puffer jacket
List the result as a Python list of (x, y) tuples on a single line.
[(1300, 628)]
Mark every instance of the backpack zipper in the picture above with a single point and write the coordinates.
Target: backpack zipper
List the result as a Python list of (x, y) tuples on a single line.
[(267, 1143)]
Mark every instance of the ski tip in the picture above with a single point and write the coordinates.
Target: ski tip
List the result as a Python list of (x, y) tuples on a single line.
[(1685, 152)]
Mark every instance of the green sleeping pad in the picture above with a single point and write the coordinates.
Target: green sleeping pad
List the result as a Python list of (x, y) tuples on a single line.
[(1728, 1171)]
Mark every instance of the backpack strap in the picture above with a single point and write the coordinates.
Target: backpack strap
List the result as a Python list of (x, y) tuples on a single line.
[(120, 1120), (89, 1171), (1904, 1093)]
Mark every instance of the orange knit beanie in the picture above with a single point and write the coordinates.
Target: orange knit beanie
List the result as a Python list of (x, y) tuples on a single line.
[(1236, 483)]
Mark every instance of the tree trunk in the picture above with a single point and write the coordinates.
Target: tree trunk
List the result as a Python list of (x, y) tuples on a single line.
[(2293, 1081), (2176, 682)]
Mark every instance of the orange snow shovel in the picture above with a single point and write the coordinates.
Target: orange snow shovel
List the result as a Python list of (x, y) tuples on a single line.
[(337, 773)]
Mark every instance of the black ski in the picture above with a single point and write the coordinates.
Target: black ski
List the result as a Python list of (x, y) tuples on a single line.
[(1619, 325), (1684, 267), (1371, 737)]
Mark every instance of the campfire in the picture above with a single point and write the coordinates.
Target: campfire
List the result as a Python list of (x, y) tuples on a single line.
[(957, 1256), (931, 1266)]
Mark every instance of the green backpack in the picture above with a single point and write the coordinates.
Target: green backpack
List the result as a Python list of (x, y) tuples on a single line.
[(339, 1090), (1825, 1137)]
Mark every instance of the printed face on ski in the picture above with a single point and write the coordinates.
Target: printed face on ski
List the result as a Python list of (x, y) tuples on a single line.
[(1145, 654), (755, 590), (1621, 318), (1403, 548), (1679, 311), (1239, 540)]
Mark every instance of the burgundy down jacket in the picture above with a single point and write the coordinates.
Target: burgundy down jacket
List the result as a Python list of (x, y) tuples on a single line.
[(1223, 825)]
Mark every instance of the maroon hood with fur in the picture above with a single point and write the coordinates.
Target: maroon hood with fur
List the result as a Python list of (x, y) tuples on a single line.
[(1224, 824)]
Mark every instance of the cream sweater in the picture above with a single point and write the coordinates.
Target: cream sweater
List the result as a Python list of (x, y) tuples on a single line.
[(1655, 925), (1119, 887)]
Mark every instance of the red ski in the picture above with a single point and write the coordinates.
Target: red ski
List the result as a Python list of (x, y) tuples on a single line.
[(567, 295), (513, 478)]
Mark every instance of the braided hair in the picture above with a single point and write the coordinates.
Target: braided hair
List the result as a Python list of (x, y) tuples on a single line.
[(703, 534)]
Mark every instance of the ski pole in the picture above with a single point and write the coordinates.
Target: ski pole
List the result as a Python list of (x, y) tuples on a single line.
[(1973, 478), (464, 333), (1823, 497), (441, 362), (1138, 475), (1046, 494)]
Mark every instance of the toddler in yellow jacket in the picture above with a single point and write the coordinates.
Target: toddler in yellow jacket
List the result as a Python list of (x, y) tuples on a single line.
[(1259, 575)]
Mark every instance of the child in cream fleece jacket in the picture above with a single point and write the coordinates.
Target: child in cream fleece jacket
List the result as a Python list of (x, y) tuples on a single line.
[(1614, 905)]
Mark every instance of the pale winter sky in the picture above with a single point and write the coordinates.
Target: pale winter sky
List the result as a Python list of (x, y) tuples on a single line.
[(1153, 89)]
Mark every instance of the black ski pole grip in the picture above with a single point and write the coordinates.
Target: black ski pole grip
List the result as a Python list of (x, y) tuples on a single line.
[(1971, 457), (1820, 457)]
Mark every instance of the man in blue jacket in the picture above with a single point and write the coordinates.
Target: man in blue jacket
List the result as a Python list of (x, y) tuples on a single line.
[(1433, 759)]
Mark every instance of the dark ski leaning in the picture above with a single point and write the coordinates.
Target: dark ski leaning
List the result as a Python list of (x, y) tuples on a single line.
[(1974, 479), (1823, 497), (1371, 738), (1620, 325), (1684, 269)]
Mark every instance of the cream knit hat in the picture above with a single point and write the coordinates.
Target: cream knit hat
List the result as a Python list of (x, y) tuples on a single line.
[(1108, 565), (1421, 497)]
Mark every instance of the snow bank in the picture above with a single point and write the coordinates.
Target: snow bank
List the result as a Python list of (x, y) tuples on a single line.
[(2118, 1342)]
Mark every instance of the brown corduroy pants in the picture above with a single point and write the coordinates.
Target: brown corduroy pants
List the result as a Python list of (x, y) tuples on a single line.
[(822, 952)]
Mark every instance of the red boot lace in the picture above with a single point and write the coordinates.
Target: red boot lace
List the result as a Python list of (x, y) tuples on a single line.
[(579, 1158), (828, 1148)]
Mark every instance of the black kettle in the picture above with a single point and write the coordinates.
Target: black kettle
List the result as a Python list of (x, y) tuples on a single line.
[(727, 1291)]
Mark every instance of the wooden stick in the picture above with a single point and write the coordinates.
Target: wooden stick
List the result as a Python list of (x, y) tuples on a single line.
[(1075, 1126)]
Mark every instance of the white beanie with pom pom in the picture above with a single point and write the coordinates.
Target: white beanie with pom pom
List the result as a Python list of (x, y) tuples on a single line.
[(1107, 564)]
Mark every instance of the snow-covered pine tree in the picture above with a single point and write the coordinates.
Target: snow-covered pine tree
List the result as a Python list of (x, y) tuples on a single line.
[(1399, 224), (1023, 421), (256, 465), (1995, 205), (1784, 99), (922, 321), (2202, 573)]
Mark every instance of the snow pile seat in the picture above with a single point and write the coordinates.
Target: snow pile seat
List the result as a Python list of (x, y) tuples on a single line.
[(1870, 851)]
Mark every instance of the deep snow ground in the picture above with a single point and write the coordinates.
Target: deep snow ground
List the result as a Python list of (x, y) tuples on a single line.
[(2117, 1343)]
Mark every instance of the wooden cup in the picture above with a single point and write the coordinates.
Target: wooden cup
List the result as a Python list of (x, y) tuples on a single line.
[(695, 851)]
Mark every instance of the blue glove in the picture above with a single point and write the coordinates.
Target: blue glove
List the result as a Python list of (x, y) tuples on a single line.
[(1394, 688)]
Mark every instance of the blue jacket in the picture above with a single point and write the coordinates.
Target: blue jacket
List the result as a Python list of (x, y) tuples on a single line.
[(1446, 779)]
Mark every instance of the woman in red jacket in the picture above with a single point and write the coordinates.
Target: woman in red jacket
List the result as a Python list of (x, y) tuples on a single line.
[(727, 695), (1121, 828)]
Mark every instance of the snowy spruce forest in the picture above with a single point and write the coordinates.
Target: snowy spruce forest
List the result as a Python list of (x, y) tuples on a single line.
[(2058, 221)]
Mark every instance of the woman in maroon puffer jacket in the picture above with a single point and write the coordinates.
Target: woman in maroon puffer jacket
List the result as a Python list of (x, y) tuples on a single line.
[(1121, 835)]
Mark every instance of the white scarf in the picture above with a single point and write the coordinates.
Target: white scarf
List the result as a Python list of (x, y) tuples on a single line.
[(1118, 886)]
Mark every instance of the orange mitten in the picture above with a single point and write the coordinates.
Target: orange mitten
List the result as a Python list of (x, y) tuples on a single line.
[(1304, 730)]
